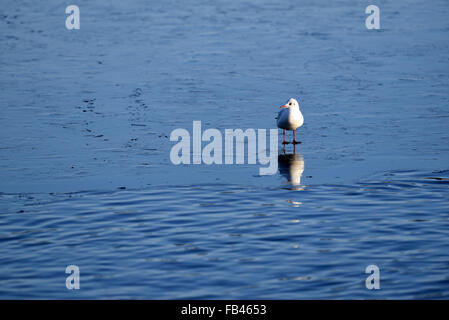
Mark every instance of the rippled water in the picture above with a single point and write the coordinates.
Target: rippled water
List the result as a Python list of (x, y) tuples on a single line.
[(232, 241), (86, 177)]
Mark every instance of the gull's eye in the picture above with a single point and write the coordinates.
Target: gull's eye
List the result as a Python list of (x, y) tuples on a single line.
[(290, 104)]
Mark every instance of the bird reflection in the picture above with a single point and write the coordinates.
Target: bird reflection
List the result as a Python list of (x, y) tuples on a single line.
[(291, 166)]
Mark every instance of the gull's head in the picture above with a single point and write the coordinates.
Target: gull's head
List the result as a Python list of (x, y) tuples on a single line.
[(292, 103)]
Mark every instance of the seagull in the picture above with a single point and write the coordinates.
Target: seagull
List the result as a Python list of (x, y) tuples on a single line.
[(290, 118)]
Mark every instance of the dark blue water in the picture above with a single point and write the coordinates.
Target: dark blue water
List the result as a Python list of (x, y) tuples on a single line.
[(86, 176), (231, 241)]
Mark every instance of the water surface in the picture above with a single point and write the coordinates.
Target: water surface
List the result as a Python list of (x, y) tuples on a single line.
[(86, 176)]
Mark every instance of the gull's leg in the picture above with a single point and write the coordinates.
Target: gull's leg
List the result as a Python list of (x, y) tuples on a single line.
[(294, 140), (283, 135)]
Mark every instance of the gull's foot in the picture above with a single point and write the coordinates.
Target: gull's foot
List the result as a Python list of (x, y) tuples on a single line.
[(285, 142), (296, 142)]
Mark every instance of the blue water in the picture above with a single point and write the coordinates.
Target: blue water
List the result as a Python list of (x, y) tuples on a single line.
[(86, 176)]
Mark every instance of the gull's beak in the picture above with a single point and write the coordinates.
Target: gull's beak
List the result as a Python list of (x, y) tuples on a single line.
[(284, 106)]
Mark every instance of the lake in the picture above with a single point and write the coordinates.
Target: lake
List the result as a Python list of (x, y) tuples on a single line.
[(87, 178)]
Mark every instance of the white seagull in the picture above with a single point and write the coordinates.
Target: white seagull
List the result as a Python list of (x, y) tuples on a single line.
[(290, 118)]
